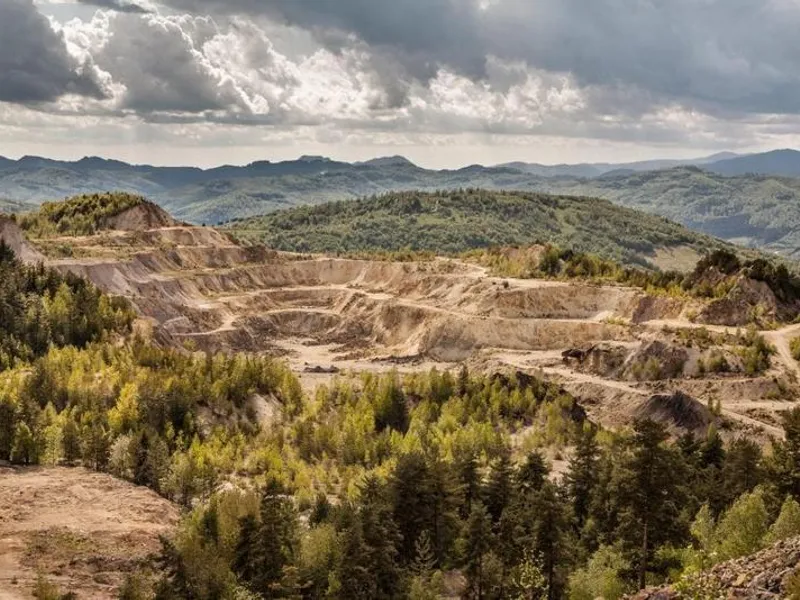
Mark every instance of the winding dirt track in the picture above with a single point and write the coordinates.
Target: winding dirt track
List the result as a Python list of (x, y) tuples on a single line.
[(196, 284)]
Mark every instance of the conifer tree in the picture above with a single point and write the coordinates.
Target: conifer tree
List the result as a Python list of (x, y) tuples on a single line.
[(70, 440), (650, 494), (24, 448), (498, 489), (787, 524), (478, 539), (582, 475)]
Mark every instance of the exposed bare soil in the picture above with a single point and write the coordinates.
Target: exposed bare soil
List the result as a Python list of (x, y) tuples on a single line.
[(84, 531), (325, 315)]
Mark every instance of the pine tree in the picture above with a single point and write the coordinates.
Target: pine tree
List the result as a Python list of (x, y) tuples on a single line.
[(532, 474), (582, 475), (478, 540), (497, 493), (742, 528), (788, 523), (266, 553), (24, 448), (380, 538), (650, 494), (70, 441), (424, 562), (352, 580), (424, 497), (784, 466), (462, 385), (712, 452), (549, 534), (8, 423), (742, 470), (470, 482)]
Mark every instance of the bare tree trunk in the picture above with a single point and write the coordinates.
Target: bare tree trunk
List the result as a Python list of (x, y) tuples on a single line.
[(643, 561)]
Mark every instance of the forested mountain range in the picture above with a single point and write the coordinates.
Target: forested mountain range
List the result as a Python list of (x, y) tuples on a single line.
[(752, 200)]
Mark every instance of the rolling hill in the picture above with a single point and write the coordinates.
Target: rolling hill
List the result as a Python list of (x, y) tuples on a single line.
[(755, 210), (759, 210), (446, 222)]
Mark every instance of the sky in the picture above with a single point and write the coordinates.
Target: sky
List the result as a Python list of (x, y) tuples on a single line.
[(444, 82)]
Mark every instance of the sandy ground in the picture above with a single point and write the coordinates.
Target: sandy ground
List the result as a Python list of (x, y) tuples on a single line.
[(330, 315), (83, 530)]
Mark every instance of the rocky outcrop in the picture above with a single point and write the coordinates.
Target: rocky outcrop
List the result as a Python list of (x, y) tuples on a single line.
[(747, 301), (762, 576), (139, 218)]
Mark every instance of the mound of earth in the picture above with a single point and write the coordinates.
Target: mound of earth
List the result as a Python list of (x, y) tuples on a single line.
[(650, 360), (678, 411), (84, 531), (12, 235), (764, 576), (143, 217), (746, 299)]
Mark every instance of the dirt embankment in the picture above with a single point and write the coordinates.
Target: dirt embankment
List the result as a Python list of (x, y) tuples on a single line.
[(142, 217), (12, 235), (84, 531)]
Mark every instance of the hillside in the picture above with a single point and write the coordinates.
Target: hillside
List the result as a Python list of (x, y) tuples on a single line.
[(89, 213), (345, 428), (729, 198), (446, 222), (85, 532), (758, 211), (226, 192), (784, 162)]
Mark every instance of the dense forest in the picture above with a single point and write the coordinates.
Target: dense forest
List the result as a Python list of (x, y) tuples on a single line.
[(40, 307), (454, 222)]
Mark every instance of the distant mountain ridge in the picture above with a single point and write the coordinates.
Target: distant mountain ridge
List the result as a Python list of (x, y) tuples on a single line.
[(747, 199)]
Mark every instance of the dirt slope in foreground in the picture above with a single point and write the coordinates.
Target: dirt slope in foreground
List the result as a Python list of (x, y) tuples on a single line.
[(84, 531), (764, 575)]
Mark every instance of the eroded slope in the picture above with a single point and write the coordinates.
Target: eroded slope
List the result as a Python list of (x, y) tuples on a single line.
[(202, 290)]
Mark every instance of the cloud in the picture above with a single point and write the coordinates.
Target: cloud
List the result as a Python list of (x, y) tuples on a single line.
[(675, 73), (716, 55), (118, 6), (34, 63), (161, 65)]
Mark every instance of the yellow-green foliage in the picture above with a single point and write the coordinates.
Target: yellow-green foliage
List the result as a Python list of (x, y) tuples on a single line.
[(80, 215), (601, 578), (40, 307), (795, 348)]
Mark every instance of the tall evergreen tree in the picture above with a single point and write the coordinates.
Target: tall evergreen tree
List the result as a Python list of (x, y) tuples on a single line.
[(381, 539), (650, 494), (478, 542), (497, 493), (582, 474), (265, 554)]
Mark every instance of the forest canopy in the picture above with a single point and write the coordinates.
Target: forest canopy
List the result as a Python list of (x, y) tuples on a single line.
[(456, 221)]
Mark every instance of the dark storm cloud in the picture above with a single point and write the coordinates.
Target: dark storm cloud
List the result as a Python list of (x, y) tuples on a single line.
[(157, 60), (424, 33), (715, 55), (34, 63), (124, 7)]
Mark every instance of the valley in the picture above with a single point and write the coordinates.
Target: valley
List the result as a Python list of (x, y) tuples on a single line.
[(240, 372), (201, 290)]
